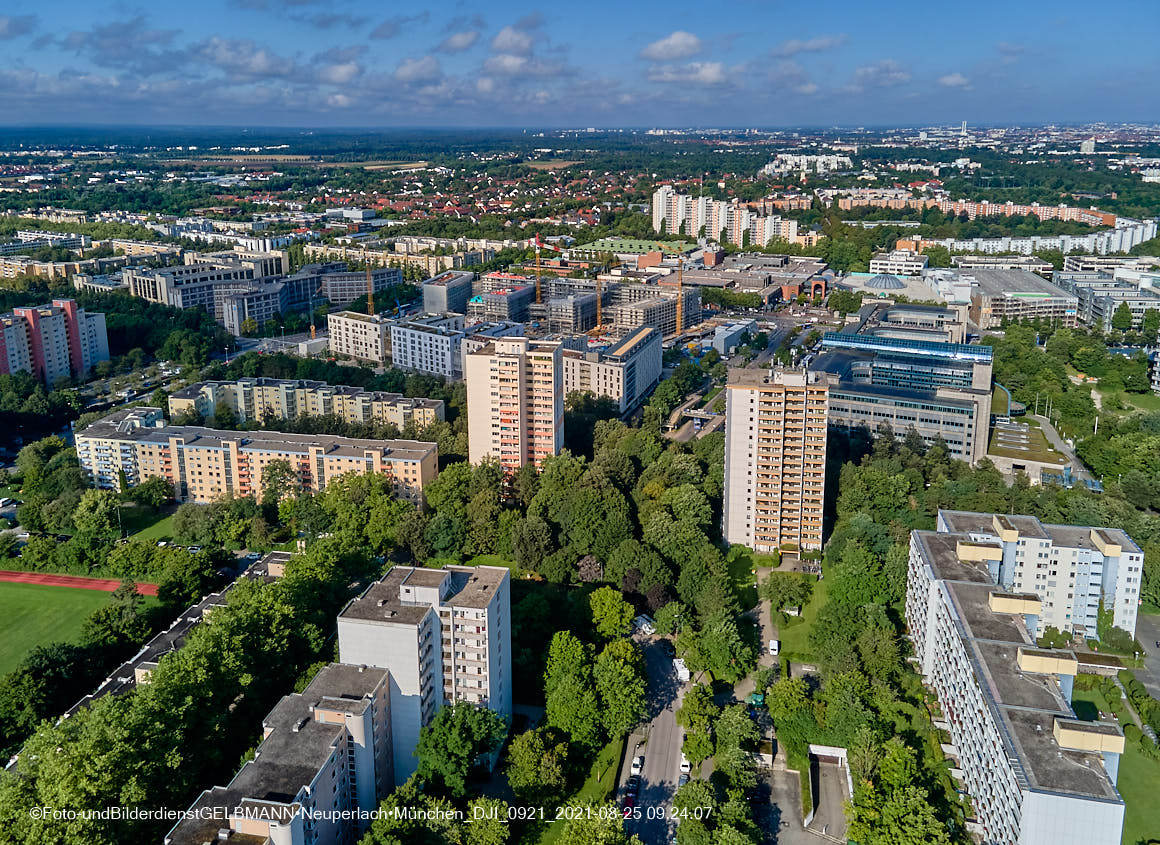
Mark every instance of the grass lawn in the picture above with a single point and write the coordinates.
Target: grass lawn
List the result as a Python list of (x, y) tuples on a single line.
[(7, 491), (495, 560), (795, 636), (598, 786), (1143, 401), (1137, 779), (37, 615), (162, 529)]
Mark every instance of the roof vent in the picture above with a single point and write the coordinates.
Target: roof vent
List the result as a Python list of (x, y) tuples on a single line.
[(299, 725)]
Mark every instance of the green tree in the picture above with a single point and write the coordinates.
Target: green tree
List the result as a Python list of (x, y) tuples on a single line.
[(1150, 325), (620, 683), (1122, 317), (279, 480), (611, 614), (95, 516), (153, 492), (537, 766), (455, 739), (595, 824)]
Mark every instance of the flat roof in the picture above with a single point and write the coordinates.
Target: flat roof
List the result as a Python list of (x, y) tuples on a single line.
[(1011, 282), (1025, 705), (934, 349), (198, 437)]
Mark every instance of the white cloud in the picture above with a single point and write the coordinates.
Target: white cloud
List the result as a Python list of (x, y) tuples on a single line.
[(794, 46), (678, 45), (513, 41), (884, 74), (806, 88), (339, 101), (954, 80), (696, 73), (340, 74), (459, 42), (485, 85), (242, 57), (425, 69), (506, 64)]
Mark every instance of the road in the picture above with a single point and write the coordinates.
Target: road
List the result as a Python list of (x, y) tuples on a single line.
[(1057, 443), (1148, 633), (661, 748)]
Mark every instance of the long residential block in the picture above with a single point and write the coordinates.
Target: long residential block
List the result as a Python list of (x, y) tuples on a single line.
[(285, 399), (206, 465), (1035, 774), (1071, 568), (322, 768)]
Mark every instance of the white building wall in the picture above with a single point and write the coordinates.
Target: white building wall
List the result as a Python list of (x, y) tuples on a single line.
[(740, 451), (1052, 819)]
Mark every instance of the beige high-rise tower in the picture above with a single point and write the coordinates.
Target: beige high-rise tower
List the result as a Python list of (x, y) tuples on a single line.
[(515, 401), (775, 458)]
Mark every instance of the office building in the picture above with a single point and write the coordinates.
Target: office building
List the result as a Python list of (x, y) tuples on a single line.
[(900, 367), (206, 465), (444, 635), (202, 286), (728, 337), (998, 295), (1035, 774), (54, 341), (1003, 262), (775, 458), (259, 304), (1101, 294), (515, 401), (337, 284), (255, 399), (431, 343), (323, 766), (360, 336), (1071, 569), (899, 262), (448, 292), (624, 372)]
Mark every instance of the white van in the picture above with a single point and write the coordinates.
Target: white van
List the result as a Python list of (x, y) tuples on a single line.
[(774, 647)]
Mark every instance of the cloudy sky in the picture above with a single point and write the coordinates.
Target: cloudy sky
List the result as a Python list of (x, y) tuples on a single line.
[(629, 63)]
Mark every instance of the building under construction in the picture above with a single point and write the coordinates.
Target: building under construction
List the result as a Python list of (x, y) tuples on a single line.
[(571, 314), (501, 304), (639, 305)]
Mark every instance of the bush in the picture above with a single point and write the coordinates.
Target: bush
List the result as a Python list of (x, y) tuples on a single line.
[(1132, 733)]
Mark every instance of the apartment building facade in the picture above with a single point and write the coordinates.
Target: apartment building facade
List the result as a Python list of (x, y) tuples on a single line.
[(364, 337), (1034, 773), (323, 766), (206, 465), (445, 637), (1071, 569), (899, 262), (515, 401), (429, 344), (775, 458), (624, 373), (253, 399), (675, 213), (59, 340)]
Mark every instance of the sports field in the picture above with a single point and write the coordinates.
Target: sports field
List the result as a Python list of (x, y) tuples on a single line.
[(32, 615)]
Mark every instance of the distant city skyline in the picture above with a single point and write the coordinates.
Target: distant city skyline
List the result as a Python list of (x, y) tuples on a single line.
[(299, 63)]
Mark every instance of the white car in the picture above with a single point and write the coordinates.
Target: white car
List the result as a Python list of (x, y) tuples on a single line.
[(686, 767), (637, 765)]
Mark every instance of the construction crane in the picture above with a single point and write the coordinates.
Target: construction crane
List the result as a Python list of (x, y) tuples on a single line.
[(540, 244), (680, 288)]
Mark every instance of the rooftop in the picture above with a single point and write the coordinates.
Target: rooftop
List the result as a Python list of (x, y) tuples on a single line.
[(462, 586), (994, 281)]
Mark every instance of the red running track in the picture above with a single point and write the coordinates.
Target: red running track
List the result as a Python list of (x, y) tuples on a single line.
[(79, 582)]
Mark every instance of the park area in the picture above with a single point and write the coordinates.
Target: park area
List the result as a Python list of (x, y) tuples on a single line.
[(35, 615)]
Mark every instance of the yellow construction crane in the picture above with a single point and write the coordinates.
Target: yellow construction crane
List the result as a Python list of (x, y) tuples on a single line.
[(680, 287)]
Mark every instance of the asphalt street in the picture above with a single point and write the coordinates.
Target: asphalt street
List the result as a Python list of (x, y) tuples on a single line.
[(1148, 633), (661, 749)]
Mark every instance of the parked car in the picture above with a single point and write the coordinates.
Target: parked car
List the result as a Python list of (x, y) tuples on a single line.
[(633, 785), (686, 767), (637, 765), (195, 549), (683, 779)]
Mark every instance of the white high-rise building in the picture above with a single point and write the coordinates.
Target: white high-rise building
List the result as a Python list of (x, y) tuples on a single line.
[(445, 637), (1070, 568), (1035, 774), (775, 458), (515, 401), (682, 214)]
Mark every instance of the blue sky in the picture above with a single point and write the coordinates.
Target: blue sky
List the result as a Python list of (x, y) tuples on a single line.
[(742, 63)]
